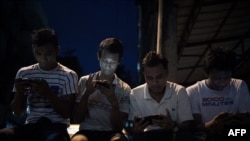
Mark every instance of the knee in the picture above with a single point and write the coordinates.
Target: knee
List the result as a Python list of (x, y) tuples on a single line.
[(79, 138), (6, 134), (9, 131), (118, 137), (57, 137)]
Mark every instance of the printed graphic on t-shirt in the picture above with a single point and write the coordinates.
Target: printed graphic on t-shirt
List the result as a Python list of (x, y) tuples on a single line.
[(217, 101)]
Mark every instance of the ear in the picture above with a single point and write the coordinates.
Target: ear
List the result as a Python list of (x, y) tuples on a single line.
[(98, 57), (33, 46)]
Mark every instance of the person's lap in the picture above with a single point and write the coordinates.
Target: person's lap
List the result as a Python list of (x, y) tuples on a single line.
[(163, 135), (41, 131), (6, 134), (97, 136), (158, 135), (52, 132)]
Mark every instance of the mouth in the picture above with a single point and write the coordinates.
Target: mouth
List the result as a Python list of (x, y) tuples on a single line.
[(156, 88), (220, 87)]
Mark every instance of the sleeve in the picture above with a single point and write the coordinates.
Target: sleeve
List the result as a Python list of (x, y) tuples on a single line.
[(184, 107), (244, 101), (134, 108), (194, 99), (72, 83), (124, 100), (81, 87)]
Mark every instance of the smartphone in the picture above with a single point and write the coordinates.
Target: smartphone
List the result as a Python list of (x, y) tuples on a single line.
[(106, 85), (149, 119), (27, 80)]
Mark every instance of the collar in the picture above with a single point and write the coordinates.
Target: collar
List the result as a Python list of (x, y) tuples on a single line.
[(167, 92)]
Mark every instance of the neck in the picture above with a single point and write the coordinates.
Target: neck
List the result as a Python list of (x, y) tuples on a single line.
[(102, 76), (156, 96), (209, 85)]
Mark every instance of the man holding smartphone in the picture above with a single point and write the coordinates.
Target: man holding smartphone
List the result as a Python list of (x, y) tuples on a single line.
[(163, 98), (45, 91), (103, 103)]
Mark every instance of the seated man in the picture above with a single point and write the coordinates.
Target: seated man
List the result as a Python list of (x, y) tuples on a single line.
[(165, 104), (219, 101), (103, 104), (45, 91)]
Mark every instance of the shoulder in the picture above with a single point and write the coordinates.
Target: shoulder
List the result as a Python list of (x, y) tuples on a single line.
[(176, 89), (66, 69), (30, 67), (67, 74), (123, 85), (176, 86), (238, 84), (139, 89), (138, 93), (196, 85), (27, 69), (235, 81), (84, 78)]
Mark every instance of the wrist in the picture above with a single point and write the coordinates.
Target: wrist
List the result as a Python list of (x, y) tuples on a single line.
[(175, 128), (208, 124)]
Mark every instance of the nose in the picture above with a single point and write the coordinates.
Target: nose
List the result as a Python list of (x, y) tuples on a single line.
[(42, 58), (107, 64), (155, 81)]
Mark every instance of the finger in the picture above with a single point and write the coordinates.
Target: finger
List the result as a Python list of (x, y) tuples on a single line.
[(168, 113), (91, 76), (90, 79), (224, 114)]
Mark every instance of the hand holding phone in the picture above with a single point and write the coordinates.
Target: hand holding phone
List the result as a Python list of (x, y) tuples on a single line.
[(149, 119), (103, 83)]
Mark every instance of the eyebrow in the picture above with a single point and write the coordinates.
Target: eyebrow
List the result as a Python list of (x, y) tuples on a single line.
[(108, 59)]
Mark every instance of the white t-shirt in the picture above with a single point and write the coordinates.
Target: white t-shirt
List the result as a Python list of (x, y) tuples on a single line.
[(175, 100), (233, 99), (99, 108)]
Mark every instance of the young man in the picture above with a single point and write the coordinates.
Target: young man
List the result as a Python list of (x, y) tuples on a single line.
[(165, 99), (45, 91), (104, 101), (216, 100)]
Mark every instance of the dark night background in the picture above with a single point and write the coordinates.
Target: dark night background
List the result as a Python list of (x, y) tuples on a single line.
[(189, 28), (82, 24)]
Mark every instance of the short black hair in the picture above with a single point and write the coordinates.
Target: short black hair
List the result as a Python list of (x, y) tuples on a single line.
[(152, 59), (45, 36), (220, 58), (113, 45)]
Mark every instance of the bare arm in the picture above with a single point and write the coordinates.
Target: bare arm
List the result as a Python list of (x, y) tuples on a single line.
[(215, 124), (19, 104), (117, 117), (81, 109)]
